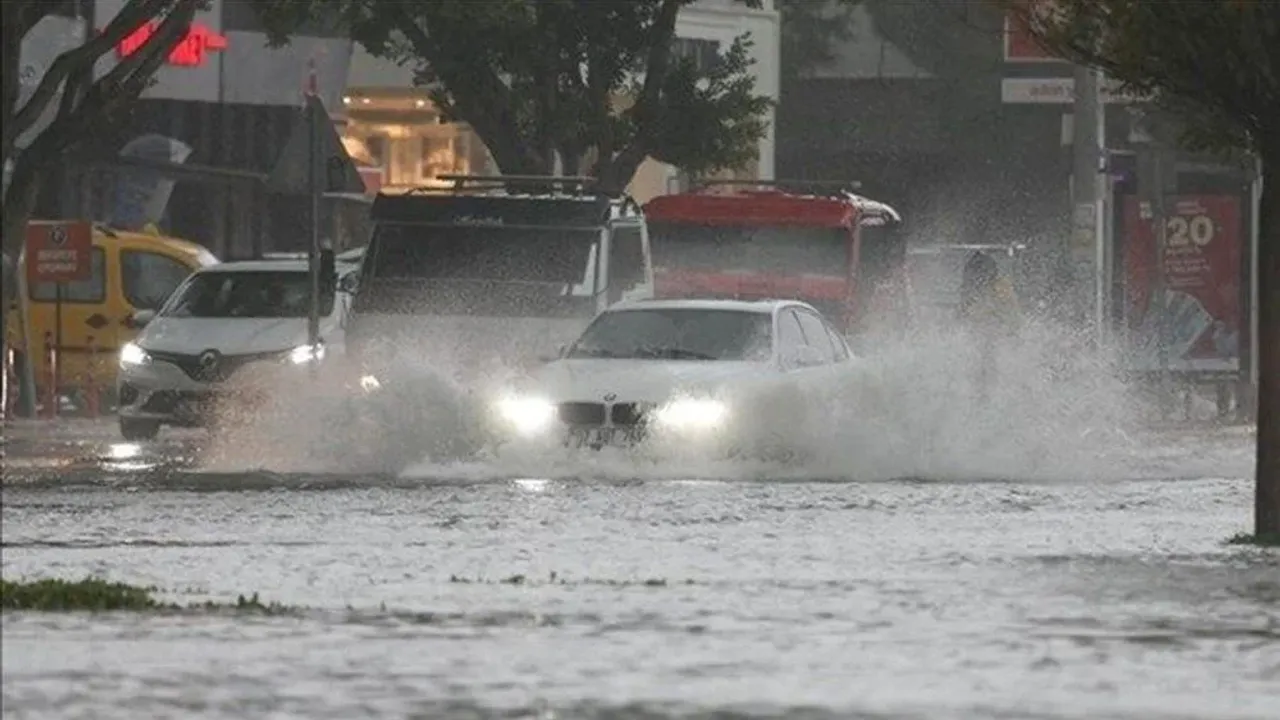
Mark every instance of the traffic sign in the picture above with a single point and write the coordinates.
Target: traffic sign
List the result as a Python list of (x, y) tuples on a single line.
[(59, 251), (336, 171)]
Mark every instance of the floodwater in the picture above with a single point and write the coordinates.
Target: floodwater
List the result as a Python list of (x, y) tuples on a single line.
[(1048, 565), (653, 598)]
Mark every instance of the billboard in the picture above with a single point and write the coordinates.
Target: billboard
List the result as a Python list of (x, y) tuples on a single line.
[(1202, 276)]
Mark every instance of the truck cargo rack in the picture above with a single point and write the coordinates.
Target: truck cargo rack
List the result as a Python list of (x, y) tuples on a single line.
[(528, 186)]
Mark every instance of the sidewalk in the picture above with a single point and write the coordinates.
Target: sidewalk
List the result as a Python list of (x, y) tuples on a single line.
[(60, 429)]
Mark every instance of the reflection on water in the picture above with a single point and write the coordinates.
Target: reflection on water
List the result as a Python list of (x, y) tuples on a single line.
[(475, 597)]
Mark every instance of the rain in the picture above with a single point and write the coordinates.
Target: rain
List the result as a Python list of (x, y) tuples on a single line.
[(653, 359)]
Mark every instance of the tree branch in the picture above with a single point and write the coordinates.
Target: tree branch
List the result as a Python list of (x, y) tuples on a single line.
[(618, 171), (130, 18)]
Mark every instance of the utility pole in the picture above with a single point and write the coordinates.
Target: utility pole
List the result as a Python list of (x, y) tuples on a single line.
[(314, 190), (1088, 251), (1249, 398)]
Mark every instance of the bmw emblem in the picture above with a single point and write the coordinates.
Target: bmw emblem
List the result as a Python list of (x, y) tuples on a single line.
[(610, 397), (209, 359)]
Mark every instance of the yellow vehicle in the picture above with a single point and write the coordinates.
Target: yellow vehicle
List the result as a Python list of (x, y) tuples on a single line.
[(132, 271)]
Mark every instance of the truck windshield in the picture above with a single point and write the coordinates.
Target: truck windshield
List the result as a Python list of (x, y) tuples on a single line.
[(256, 294), (467, 252), (762, 249), (480, 269), (677, 334)]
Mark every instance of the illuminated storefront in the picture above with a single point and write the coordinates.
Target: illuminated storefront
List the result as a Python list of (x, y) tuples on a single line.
[(400, 137)]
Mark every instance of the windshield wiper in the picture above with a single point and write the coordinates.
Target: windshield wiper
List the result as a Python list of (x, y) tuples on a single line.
[(593, 353), (668, 353)]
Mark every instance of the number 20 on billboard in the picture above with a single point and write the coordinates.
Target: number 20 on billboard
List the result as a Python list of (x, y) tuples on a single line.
[(1186, 230)]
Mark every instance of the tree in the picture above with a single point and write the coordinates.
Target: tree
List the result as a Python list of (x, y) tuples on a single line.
[(79, 101), (570, 79), (1216, 65)]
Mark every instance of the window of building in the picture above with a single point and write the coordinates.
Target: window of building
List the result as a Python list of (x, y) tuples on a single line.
[(93, 290), (148, 278), (404, 135), (704, 53)]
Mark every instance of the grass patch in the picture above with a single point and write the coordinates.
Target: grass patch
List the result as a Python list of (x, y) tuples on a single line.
[(98, 595), (1263, 540)]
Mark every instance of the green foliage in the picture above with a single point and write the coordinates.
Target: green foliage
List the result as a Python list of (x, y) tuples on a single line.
[(89, 594), (97, 595), (1216, 65), (537, 78)]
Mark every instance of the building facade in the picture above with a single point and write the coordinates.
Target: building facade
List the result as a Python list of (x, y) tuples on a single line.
[(227, 101)]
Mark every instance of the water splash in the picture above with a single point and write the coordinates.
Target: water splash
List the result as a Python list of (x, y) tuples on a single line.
[(913, 408)]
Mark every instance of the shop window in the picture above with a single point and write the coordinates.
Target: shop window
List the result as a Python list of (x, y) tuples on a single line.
[(149, 278), (93, 290)]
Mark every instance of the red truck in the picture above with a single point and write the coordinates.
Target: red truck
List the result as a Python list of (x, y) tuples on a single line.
[(836, 250)]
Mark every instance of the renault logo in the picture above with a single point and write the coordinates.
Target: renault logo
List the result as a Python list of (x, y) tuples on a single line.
[(209, 359)]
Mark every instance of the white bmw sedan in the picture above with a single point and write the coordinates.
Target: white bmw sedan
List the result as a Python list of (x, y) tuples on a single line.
[(690, 372)]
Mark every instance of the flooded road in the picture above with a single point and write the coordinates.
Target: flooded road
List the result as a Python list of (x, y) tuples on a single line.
[(450, 594)]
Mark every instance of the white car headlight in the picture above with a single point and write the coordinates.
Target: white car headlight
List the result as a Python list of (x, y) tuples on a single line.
[(304, 354), (691, 414), (131, 356), (529, 415)]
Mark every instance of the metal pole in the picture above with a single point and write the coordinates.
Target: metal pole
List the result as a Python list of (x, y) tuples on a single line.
[(313, 259), (1255, 305), (1088, 247), (1160, 225)]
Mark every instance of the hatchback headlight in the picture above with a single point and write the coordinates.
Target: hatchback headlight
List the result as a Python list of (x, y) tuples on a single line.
[(691, 414), (131, 355), (304, 354)]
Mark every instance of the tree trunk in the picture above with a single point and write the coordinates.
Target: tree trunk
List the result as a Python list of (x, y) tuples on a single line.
[(1267, 494), (19, 202)]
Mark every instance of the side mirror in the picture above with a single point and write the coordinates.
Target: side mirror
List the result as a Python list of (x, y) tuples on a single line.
[(348, 283), (328, 273), (141, 318), (560, 351), (806, 356)]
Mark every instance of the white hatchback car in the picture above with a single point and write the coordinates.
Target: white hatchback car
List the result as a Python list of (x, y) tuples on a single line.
[(677, 368), (221, 325)]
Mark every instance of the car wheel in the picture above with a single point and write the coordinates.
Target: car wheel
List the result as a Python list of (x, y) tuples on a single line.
[(133, 430)]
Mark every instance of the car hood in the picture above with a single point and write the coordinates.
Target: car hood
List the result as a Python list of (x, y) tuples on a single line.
[(636, 380), (230, 336)]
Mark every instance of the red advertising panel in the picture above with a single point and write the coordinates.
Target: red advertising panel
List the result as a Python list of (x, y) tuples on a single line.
[(59, 252), (1019, 43), (1202, 266)]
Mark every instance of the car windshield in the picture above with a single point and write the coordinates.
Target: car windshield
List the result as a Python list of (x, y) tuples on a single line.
[(258, 294), (677, 334), (758, 249)]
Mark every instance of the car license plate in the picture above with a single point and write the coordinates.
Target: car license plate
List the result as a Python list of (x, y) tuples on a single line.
[(601, 436)]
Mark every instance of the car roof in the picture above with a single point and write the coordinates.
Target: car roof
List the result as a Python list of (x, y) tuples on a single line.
[(276, 265), (766, 306)]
